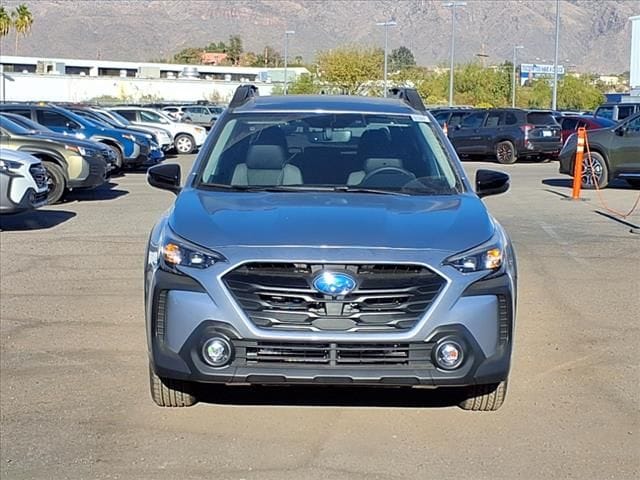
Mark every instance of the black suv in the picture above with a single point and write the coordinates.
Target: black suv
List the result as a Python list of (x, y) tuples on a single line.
[(451, 116), (508, 133)]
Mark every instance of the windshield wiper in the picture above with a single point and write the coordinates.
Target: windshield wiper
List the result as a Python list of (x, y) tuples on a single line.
[(302, 188), (376, 191), (266, 188)]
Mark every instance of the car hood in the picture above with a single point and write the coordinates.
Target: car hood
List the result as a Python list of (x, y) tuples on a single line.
[(218, 219), (68, 140)]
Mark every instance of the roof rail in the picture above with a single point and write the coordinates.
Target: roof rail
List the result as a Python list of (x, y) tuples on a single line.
[(243, 94), (410, 96)]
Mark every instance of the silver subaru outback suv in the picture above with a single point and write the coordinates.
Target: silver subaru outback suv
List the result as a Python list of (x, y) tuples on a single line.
[(329, 240)]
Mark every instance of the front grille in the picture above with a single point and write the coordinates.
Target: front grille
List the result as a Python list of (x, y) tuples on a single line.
[(39, 175), (280, 296), (334, 354), (41, 197)]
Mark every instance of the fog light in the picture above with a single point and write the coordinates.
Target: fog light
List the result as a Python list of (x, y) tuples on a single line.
[(449, 355), (217, 351)]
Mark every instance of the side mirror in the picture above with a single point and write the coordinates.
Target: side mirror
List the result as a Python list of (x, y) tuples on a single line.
[(621, 130), (165, 177), (490, 182), (458, 126), (71, 126)]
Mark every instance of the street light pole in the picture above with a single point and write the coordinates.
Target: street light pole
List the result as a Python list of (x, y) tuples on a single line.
[(554, 102), (386, 25), (287, 33), (513, 83), (452, 6)]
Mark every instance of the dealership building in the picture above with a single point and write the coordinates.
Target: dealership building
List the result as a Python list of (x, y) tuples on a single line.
[(77, 80)]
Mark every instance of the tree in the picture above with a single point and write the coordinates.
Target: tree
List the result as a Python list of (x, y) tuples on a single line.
[(401, 58), (269, 57), (5, 22), (22, 21), (303, 85), (189, 55), (350, 68), (578, 93), (538, 95), (214, 47), (234, 49)]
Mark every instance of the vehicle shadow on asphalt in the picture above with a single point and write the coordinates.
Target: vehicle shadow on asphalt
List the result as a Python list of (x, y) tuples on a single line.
[(617, 184), (34, 220), (103, 192), (333, 396), (520, 161)]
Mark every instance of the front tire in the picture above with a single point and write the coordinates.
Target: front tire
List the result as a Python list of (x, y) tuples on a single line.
[(167, 392), (56, 181), (594, 172), (185, 144), (485, 398), (506, 153)]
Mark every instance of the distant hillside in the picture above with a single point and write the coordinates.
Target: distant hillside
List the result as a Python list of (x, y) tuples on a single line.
[(595, 35)]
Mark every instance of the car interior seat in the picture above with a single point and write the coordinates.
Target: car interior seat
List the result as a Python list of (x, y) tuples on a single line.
[(266, 162)]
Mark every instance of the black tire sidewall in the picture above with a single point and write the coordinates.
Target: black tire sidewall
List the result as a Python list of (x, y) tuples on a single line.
[(513, 152), (56, 174)]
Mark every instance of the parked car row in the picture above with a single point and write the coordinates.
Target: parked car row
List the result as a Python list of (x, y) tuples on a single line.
[(511, 134), (79, 146)]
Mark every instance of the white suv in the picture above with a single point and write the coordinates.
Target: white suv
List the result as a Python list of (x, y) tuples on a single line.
[(23, 182), (186, 137)]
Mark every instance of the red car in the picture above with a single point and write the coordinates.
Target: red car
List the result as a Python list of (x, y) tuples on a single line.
[(571, 123)]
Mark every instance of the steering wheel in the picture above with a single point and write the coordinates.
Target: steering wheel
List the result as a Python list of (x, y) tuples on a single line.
[(397, 174)]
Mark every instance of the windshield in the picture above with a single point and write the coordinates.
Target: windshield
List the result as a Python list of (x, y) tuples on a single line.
[(94, 118), (541, 118), (344, 151), (27, 123), (116, 116), (13, 127)]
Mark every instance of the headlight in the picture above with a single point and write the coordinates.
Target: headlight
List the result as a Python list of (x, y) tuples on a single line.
[(490, 256), (9, 166), (176, 252)]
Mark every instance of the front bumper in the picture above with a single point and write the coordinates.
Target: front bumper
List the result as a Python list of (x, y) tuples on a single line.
[(30, 199), (93, 174), (182, 314)]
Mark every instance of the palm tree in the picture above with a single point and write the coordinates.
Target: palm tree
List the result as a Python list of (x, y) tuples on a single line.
[(22, 21), (5, 22)]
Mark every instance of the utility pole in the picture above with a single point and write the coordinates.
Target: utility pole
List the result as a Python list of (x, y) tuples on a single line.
[(386, 25), (513, 79), (287, 33), (483, 56), (554, 102), (452, 6)]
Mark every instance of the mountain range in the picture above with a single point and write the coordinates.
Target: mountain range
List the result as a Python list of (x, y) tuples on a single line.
[(595, 35)]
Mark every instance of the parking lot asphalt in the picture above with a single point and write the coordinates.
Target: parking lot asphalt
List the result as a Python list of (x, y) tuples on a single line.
[(74, 394)]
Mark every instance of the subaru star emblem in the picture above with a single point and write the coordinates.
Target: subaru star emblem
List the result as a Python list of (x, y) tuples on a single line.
[(334, 284)]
